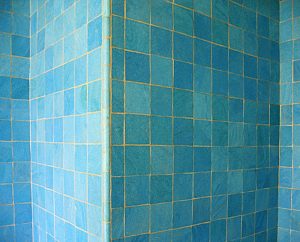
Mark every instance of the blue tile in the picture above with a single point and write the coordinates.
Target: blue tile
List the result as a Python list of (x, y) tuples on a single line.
[(95, 33), (161, 71), (20, 88), (182, 214), (202, 26), (202, 6), (219, 207), (161, 160), (6, 44), (220, 58), (7, 197), (7, 215), (183, 20), (219, 32), (234, 228), (161, 14), (250, 89), (182, 186), (236, 62), (250, 66), (6, 22), (219, 183), (161, 130), (183, 131), (220, 108), (23, 213), (220, 9), (136, 216), (202, 79), (161, 217), (183, 75), (6, 151), (161, 189), (94, 183), (202, 52), (137, 129), (202, 184), (218, 230), (161, 101), (20, 131), (183, 159), (137, 67), (137, 165), (219, 158), (202, 106), (201, 232), (236, 14), (202, 159), (236, 36), (5, 108), (137, 10), (161, 42), (201, 210), (183, 47), (137, 98), (4, 87), (202, 133), (137, 190), (183, 103), (296, 70), (236, 110), (220, 82), (137, 36), (234, 205)]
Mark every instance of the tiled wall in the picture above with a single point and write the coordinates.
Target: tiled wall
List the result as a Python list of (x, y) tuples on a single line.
[(195, 120), (15, 198), (289, 186), (66, 139)]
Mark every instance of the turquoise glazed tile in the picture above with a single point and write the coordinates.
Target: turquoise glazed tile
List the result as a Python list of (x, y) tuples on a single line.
[(137, 36), (183, 20), (137, 98), (138, 10)]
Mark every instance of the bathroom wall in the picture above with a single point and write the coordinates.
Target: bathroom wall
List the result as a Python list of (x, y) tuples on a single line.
[(194, 120), (289, 186), (15, 198), (66, 136)]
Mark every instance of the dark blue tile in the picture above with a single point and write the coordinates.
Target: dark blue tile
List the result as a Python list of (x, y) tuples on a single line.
[(220, 58), (137, 190), (183, 131), (20, 46), (137, 67), (201, 210), (183, 75), (137, 36), (137, 129), (202, 26), (161, 42), (161, 130), (183, 47), (202, 52), (182, 214), (161, 189), (183, 103), (182, 186)]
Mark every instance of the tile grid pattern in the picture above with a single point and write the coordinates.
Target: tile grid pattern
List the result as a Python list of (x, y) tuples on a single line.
[(194, 147), (66, 115), (289, 174), (15, 192)]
